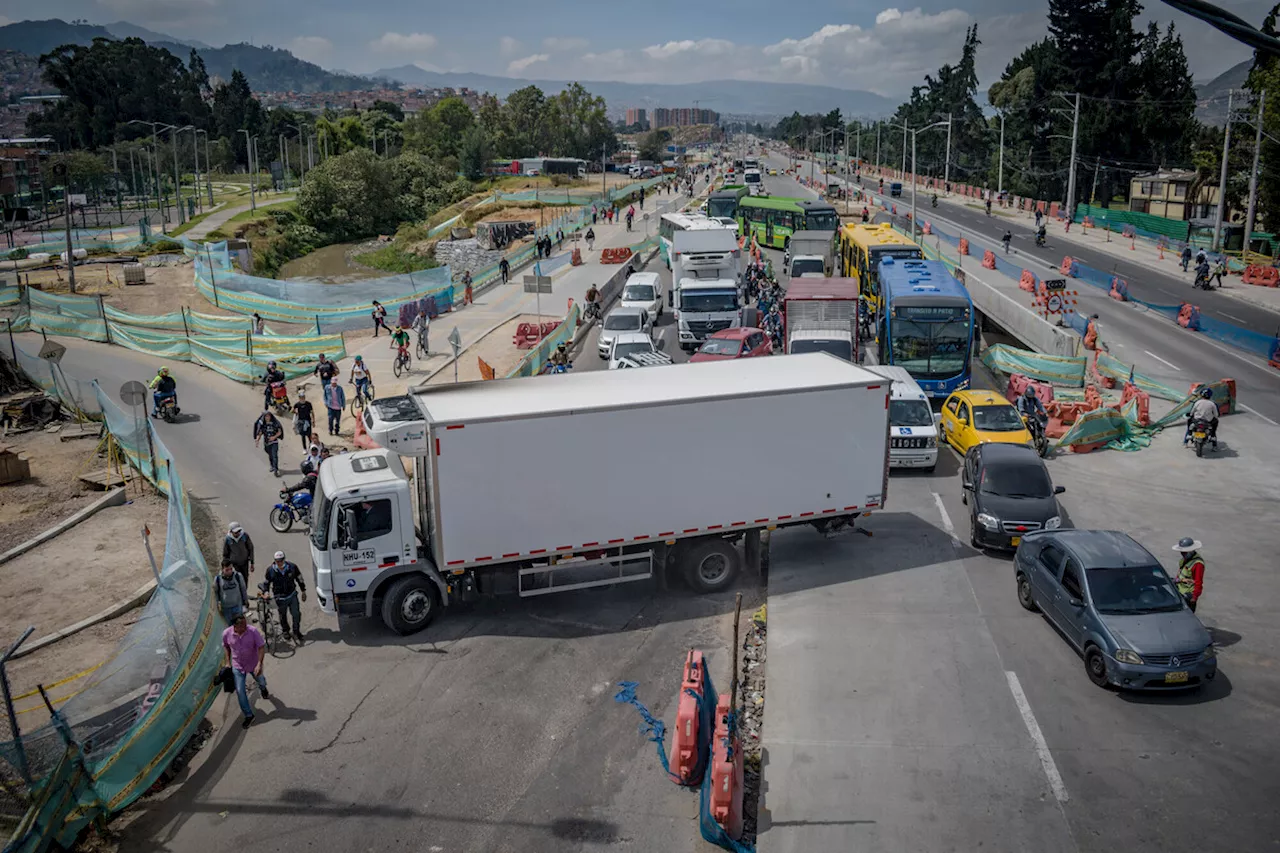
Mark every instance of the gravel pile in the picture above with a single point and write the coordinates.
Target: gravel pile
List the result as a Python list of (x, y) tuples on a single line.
[(751, 685)]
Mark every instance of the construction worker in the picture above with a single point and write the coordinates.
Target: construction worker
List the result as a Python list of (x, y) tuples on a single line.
[(1190, 579)]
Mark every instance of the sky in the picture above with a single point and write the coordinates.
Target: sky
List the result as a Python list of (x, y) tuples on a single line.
[(872, 45)]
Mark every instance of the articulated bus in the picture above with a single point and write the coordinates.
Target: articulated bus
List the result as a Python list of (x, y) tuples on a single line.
[(724, 201), (927, 324), (670, 223), (862, 247), (771, 220)]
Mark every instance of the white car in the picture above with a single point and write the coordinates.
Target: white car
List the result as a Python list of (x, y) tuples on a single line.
[(728, 222), (643, 290), (620, 320), (628, 344)]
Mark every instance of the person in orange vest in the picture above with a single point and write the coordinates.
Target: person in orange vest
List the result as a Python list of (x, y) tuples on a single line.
[(1190, 579)]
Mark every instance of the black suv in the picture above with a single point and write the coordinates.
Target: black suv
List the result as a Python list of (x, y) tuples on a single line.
[(1009, 494)]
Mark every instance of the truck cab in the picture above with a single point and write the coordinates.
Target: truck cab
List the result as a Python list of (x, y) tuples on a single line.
[(807, 266), (704, 307)]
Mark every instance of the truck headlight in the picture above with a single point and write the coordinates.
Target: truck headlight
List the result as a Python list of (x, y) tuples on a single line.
[(932, 442), (1053, 523), (1126, 656), (990, 522)]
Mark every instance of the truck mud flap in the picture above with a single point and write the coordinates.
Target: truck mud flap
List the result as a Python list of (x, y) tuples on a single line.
[(584, 574)]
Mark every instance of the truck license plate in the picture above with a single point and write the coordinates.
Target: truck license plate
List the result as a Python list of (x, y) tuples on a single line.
[(357, 558), (1174, 677)]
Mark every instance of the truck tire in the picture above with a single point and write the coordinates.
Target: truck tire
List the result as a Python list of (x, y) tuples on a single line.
[(409, 604), (711, 565)]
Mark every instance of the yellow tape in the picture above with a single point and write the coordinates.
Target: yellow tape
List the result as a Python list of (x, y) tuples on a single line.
[(66, 680)]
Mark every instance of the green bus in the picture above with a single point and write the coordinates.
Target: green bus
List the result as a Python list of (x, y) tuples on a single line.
[(772, 220), (724, 201)]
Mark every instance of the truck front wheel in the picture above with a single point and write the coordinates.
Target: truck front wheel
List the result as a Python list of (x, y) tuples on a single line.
[(409, 604), (711, 566)]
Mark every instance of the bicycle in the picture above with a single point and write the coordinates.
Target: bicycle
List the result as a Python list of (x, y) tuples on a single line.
[(267, 622), (402, 362), (423, 352), (359, 401)]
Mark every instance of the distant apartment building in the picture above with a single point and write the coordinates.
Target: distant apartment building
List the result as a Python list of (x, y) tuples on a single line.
[(683, 117), (637, 116), (20, 186), (1167, 194)]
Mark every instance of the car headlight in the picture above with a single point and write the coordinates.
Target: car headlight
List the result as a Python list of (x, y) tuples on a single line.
[(1126, 656), (988, 521), (1053, 523), (932, 442), (1210, 651)]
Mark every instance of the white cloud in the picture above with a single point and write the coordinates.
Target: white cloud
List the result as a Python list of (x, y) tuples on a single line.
[(404, 42), (703, 47), (311, 48), (887, 15), (518, 66), (564, 44), (508, 46)]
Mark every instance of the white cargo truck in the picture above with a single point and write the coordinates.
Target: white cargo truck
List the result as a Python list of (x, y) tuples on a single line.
[(496, 501)]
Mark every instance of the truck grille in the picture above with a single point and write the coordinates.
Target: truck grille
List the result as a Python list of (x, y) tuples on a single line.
[(1019, 527), (909, 443), (706, 327)]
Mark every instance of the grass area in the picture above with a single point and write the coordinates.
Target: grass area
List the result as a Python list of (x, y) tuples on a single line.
[(392, 258)]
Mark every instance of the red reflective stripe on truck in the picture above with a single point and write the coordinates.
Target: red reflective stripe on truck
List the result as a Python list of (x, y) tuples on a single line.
[(616, 541), (668, 533), (516, 554), (805, 514), (691, 530), (783, 517), (715, 526), (437, 447), (539, 551), (564, 548), (761, 520), (589, 544), (456, 426), (825, 511), (455, 562), (360, 568), (869, 388), (738, 524), (482, 559), (849, 508)]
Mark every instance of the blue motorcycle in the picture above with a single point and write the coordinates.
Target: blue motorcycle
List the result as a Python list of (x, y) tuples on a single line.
[(293, 509)]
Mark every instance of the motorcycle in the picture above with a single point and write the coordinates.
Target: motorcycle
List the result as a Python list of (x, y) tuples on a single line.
[(592, 312), (934, 201), (1039, 440), (1200, 433), (1202, 282), (280, 398), (291, 509), (167, 408), (557, 369), (1039, 240)]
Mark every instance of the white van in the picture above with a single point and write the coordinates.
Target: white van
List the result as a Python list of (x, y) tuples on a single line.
[(913, 429)]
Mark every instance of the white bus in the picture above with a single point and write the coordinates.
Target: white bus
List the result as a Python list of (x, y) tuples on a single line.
[(754, 180), (671, 223)]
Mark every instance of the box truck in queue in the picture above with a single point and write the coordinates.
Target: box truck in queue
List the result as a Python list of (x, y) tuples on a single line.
[(495, 502), (821, 315)]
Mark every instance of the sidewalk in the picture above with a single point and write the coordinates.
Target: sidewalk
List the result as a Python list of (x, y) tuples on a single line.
[(219, 217)]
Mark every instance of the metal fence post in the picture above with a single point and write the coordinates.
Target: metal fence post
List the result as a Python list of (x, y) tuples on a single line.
[(19, 750)]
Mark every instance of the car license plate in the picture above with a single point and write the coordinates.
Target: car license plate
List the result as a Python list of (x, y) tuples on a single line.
[(1174, 677), (1015, 541)]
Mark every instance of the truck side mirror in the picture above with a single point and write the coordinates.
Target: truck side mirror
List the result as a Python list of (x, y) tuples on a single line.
[(353, 541)]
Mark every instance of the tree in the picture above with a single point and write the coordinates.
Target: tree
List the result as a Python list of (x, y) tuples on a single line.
[(526, 120), (235, 109), (392, 110), (437, 132), (350, 196), (580, 127), (474, 153), (653, 145)]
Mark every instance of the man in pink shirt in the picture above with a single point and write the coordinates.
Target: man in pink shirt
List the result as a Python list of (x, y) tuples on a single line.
[(245, 650)]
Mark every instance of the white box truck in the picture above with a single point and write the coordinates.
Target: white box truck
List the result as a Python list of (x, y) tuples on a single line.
[(496, 502)]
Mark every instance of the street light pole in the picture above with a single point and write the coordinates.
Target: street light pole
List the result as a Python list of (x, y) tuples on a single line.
[(1222, 182), (208, 165), (1000, 179), (946, 170), (248, 156), (1253, 178)]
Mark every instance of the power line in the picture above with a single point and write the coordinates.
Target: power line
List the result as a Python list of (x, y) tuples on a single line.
[(1233, 25)]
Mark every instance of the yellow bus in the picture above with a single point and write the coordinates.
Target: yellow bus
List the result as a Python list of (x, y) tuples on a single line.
[(862, 247)]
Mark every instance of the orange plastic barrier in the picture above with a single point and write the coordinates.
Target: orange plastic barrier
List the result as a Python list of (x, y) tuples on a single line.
[(1098, 376), (928, 229), (726, 773), (1092, 398), (1065, 269), (486, 369), (1028, 281), (1091, 336), (964, 246), (1184, 315), (619, 255), (684, 740), (1262, 276), (989, 259), (576, 260), (1018, 384), (1132, 392)]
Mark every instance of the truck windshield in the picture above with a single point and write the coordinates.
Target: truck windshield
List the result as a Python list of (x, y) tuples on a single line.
[(841, 348), (321, 509), (701, 301), (800, 266), (910, 413)]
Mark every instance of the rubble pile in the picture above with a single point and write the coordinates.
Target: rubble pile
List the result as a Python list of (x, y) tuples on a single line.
[(751, 724)]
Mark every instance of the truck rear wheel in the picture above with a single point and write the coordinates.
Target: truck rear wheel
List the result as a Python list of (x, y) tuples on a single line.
[(409, 604), (711, 566)]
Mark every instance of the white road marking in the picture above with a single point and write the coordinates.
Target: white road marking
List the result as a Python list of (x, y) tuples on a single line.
[(946, 519), (1037, 736), (1162, 361), (1257, 413), (1233, 316)]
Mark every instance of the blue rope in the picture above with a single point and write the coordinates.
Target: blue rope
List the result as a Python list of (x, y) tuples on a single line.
[(652, 728)]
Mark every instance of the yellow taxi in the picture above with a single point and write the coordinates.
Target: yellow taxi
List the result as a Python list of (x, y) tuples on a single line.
[(773, 171), (975, 417)]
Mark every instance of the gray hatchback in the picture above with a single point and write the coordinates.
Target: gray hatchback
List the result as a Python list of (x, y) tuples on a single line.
[(1114, 602)]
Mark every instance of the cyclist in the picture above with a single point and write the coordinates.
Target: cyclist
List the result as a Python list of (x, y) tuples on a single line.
[(422, 325), (400, 340), (285, 581), (270, 376), (361, 378), (163, 387)]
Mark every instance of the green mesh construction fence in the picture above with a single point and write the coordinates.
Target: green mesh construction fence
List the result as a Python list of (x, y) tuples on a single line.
[(1057, 370)]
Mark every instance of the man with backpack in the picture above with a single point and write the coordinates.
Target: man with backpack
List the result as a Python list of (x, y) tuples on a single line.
[(232, 592), (237, 549)]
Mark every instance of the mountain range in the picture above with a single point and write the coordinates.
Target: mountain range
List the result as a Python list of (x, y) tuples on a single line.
[(1211, 97)]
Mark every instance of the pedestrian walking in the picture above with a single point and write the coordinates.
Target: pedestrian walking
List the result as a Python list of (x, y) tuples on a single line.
[(267, 430), (1008, 236), (245, 653), (1220, 269), (325, 369), (504, 267), (285, 582), (237, 549), (594, 214), (1186, 257), (591, 239), (1190, 579), (303, 417), (259, 324), (379, 318), (334, 400), (1039, 216), (232, 592), (467, 295)]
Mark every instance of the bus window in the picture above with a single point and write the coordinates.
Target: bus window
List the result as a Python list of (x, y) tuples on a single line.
[(822, 220)]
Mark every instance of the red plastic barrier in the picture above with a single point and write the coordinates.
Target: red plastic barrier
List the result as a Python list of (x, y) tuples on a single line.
[(617, 255), (1184, 315), (1132, 392), (1028, 281), (928, 229), (1018, 384), (1119, 289), (964, 246), (726, 773), (684, 740), (1091, 336), (1065, 269), (1262, 276), (989, 259), (576, 260)]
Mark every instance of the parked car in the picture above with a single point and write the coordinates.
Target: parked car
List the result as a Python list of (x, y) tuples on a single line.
[(643, 290), (627, 344), (740, 342), (1009, 494), (981, 417), (1116, 605), (622, 319), (643, 359)]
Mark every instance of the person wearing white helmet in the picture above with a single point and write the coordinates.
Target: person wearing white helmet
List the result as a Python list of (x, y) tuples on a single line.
[(237, 549), (285, 582)]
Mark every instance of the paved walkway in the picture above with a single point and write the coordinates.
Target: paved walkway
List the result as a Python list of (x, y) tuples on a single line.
[(220, 216)]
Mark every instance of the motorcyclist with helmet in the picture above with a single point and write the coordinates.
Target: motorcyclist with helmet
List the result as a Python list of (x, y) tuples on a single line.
[(1029, 406), (1205, 410), (560, 358), (270, 376), (163, 386)]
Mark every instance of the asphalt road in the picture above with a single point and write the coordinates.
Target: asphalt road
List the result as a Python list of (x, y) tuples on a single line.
[(494, 730)]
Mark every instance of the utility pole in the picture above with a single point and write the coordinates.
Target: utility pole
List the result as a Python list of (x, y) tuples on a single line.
[(1093, 193), (177, 177), (913, 183), (1000, 180), (1253, 176), (904, 149), (61, 171), (195, 151), (946, 169), (1071, 179), (248, 157), (846, 173), (1222, 180), (257, 166), (877, 145)]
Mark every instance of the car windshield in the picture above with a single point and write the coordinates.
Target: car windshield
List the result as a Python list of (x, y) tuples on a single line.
[(910, 413), (1017, 481), (835, 346), (1132, 589), (624, 350), (800, 266), (720, 346), (638, 293), (622, 322), (999, 418), (708, 300)]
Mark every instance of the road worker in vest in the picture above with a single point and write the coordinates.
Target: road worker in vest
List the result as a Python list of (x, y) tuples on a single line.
[(1190, 578)]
